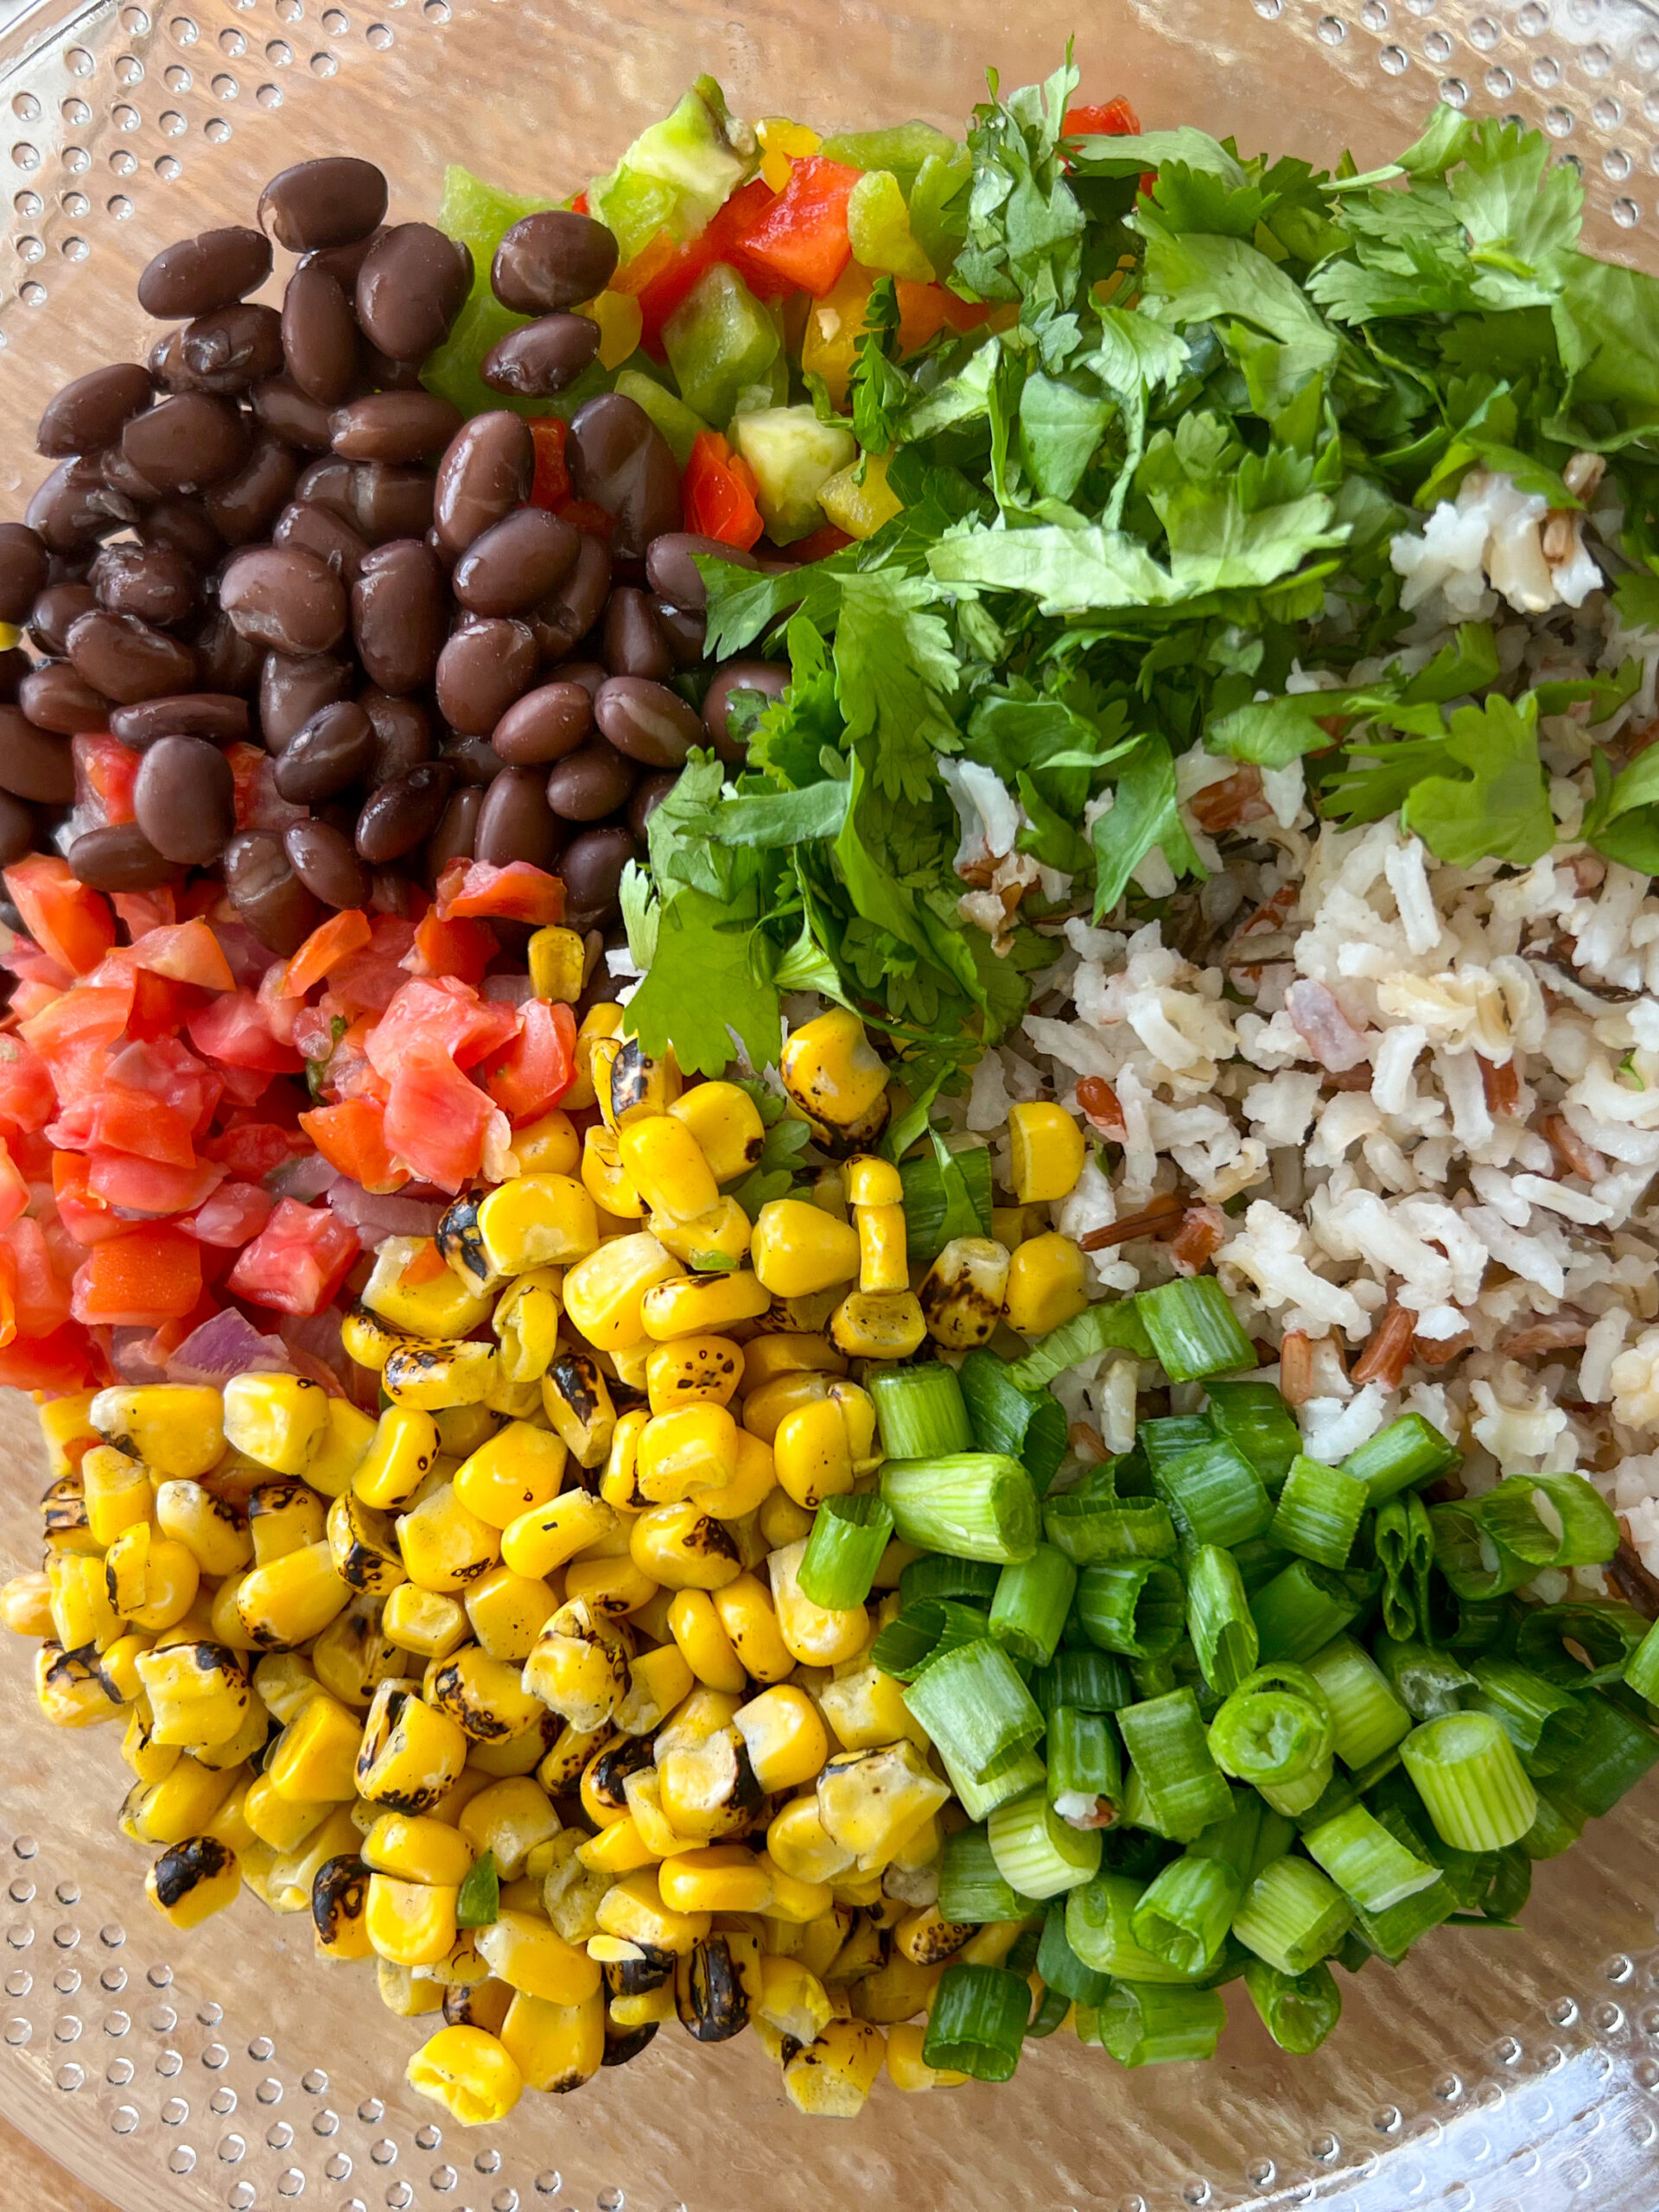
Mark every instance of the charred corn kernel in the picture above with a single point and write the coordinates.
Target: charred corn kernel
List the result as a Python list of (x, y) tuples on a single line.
[(879, 1324), (797, 1249), (555, 2047), (410, 1752), (224, 1624), (650, 2008), (873, 1181), (1046, 1150), (895, 1989), (469, 2072), (768, 1404), (640, 1086), (172, 1579), (990, 1945), (463, 1430), (278, 1821), (457, 1373), (210, 1528), (363, 1544), (751, 1483), (180, 1804), (345, 1439), (727, 1125), (693, 1370), (126, 1570), (527, 1952), (794, 1903), (833, 2075), (458, 1238), (292, 1600), (871, 1801), (1047, 1284), (579, 1668), (193, 1879), (508, 1612), (540, 1541), (278, 1420), (820, 1941), (478, 2005), (403, 1455), (704, 1790), (282, 1517), (712, 1243), (526, 1326), (414, 1299), (605, 1179), (417, 1849), (81, 1612), (486, 1696), (618, 1485), (747, 1615), (627, 1365), (696, 1306), (634, 1909), (424, 1620), (67, 1428), (605, 1293), (801, 1846), (563, 1766), (577, 1401), (284, 1680), (867, 1707), (510, 1757), (683, 1547), (411, 1923), (117, 1490), (230, 1824), (26, 1605), (906, 2069), (858, 1410), (882, 1265), (604, 1778), (235, 1750), (927, 1939), (691, 1449), (658, 1680), (831, 1072), (604, 1020), (766, 1359), (783, 1737), (792, 2001), (340, 1901), (811, 1452), (175, 1428), (616, 1850), (509, 1820), (702, 1641), (69, 1690), (720, 1878), (816, 1636), (315, 1761), (665, 1163), (610, 1584), (199, 1693), (643, 1790), (444, 1546), (537, 1221), (353, 1657), (962, 1292), (368, 1339), (516, 1470), (402, 1992)]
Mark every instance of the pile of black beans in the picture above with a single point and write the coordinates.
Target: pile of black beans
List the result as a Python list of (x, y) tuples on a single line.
[(269, 531)]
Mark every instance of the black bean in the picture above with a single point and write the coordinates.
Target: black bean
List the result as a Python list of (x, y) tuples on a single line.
[(389, 893), (402, 735), (553, 259), (119, 473), (55, 613), (592, 867), (648, 795), (242, 507), (186, 528), (763, 676), (55, 696), (400, 611), (32, 763), (404, 813), (152, 581), (541, 357), (14, 665), (231, 349), (590, 674), (343, 262), (329, 483), (218, 716), (475, 759), (164, 363), (93, 410), (566, 616), (647, 721), (389, 500), (590, 782), (268, 896), (687, 632), (457, 831), (184, 800), (412, 286), (334, 750), (485, 665), (516, 562), (517, 823), (291, 690), (228, 661), (672, 572), (291, 415), (486, 471), (23, 571), (382, 373), (318, 530), (396, 426), (620, 459), (284, 598), (125, 660), (118, 858), (320, 337), (17, 830), (321, 856), (634, 642), (185, 441), (74, 508), (199, 274), (544, 725), (332, 201)]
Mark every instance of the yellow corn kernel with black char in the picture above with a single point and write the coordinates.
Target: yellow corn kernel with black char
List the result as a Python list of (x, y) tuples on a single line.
[(363, 1544), (426, 1622), (368, 1339), (314, 1759), (609, 1186), (879, 1324), (199, 1693), (339, 1905), (445, 1547), (604, 1294), (834, 1075), (455, 1372), (555, 2047), (696, 1306), (537, 1221), (69, 1688), (180, 1804), (458, 1238), (278, 1420), (727, 1124), (710, 1243), (682, 1547), (282, 1517), (962, 1292), (291, 1600), (577, 1401), (211, 1529), (353, 1655), (525, 1324), (579, 1667), (508, 1612), (488, 1698), (402, 1455), (175, 1428), (639, 1086), (117, 1490), (193, 1880), (82, 1615), (666, 1164), (693, 1370), (411, 1753)]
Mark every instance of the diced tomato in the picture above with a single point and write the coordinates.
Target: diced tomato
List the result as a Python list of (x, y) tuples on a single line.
[(116, 1119), (232, 1031), (435, 1119), (444, 947), (138, 1280), (251, 1150), (277, 1010), (551, 486), (233, 1214), (439, 1015), (74, 1033), (27, 1100), (368, 981), (55, 1364), (802, 237), (152, 1186), (329, 943), (538, 1067), (187, 952), (160, 1006), (298, 1261), (1111, 119), (14, 1190), (149, 910), (259, 805), (579, 205), (71, 924), (824, 540), (515, 892), (352, 1136), (43, 1294), (106, 771), (85, 1219), (717, 501), (168, 1069)]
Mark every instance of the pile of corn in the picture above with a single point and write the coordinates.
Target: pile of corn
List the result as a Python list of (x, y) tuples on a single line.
[(515, 1689)]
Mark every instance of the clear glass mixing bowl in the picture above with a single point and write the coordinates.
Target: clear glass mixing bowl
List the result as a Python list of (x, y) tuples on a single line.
[(1494, 2073)]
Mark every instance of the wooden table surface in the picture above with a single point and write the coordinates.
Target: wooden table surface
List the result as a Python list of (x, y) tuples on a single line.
[(38, 2181)]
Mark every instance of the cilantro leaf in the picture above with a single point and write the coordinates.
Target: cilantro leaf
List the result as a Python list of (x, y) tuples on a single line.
[(1143, 814), (895, 667), (879, 390), (1499, 809), (703, 990)]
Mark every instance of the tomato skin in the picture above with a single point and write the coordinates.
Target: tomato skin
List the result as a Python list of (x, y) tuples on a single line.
[(55, 1364), (515, 892), (147, 910), (115, 1119), (231, 1030), (328, 944), (1113, 119), (446, 947), (351, 1137), (801, 238), (298, 1261), (437, 1014), (230, 1215), (718, 501), (27, 1099), (150, 1187), (531, 1077), (435, 1118), (42, 1295), (138, 1280), (71, 924), (72, 1035)]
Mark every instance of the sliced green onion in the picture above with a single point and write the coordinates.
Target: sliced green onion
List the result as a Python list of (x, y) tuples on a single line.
[(1472, 1559), (1273, 1837), (1032, 1601), (981, 1799), (1139, 1811), (1580, 1646), (1172, 1436), (478, 1901), (1060, 1965), (1463, 1625), (1258, 1561), (1366, 1717), (1116, 1326), (1027, 1425), (1318, 1512), (1300, 1609), (922, 1412), (978, 2022), (1549, 1520), (1156, 1677), (1274, 1728), (1051, 2015), (1556, 1828), (1339, 1796), (946, 1194), (1427, 1682), (1546, 1725), (926, 1631), (1468, 1777), (1407, 1452), (1099, 1927), (1186, 1910), (1296, 1799), (970, 1887), (973, 1504), (1194, 1331), (1365, 1862), (1641, 1668), (1098, 1682), (936, 1576), (1298, 2010), (1218, 1619), (1254, 1417), (1136, 1610), (1391, 1934), (1038, 1852), (1511, 1885), (1214, 1494), (1393, 1535), (1146, 2024), (1291, 1915), (1165, 1737), (849, 1534), (1616, 1753), (1092, 1530), (976, 1709), (1086, 1767)]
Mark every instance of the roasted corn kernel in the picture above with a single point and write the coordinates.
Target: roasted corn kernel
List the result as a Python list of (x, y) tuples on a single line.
[(832, 1073), (314, 1759), (665, 1163), (962, 1292), (578, 1403), (410, 1752), (210, 1528), (526, 1951), (175, 1428), (486, 1696), (118, 1491), (834, 2075), (292, 1600), (579, 1668), (879, 1324), (458, 1372), (683, 1547), (193, 1879), (278, 1420), (605, 1294), (796, 1249), (784, 1736), (416, 1848), (402, 1455), (417, 1298), (749, 1619), (707, 1650), (1045, 1150), (282, 1517), (469, 2073), (509, 1820), (199, 1693), (693, 1370), (695, 1306), (445, 1547), (1047, 1284), (425, 1622), (411, 1923), (518, 1468), (508, 1612)]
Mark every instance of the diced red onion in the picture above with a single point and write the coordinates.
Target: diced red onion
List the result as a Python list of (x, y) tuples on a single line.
[(306, 1176), (376, 1215), (228, 1344)]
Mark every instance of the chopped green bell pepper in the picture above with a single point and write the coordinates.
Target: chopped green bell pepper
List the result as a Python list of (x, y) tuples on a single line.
[(903, 147), (879, 226), (719, 341), (677, 174), (793, 456), (678, 423)]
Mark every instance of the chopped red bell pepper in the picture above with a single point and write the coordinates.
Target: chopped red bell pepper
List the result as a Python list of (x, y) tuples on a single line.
[(138, 1280), (531, 1077), (70, 923), (802, 237), (665, 271), (717, 492), (550, 486), (1113, 119), (515, 893)]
